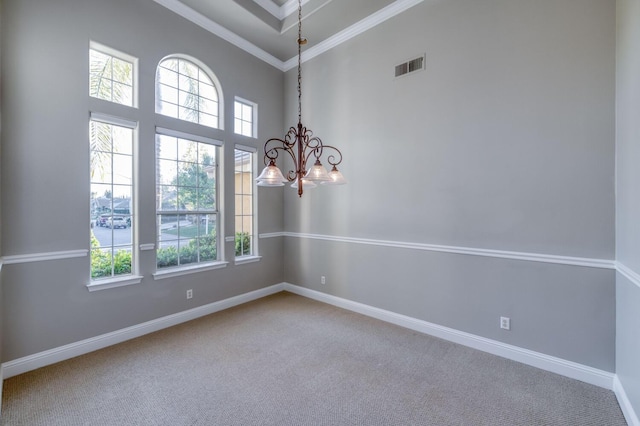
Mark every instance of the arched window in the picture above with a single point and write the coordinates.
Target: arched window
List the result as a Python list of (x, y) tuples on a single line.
[(187, 91)]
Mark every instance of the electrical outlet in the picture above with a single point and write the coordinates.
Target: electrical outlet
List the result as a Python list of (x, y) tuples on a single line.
[(505, 323), (189, 294), (323, 280)]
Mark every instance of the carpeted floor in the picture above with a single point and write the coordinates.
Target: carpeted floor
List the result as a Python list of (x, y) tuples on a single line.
[(288, 360)]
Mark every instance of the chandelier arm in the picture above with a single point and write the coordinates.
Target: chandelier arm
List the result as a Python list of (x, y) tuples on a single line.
[(315, 150), (331, 159), (313, 142), (271, 153)]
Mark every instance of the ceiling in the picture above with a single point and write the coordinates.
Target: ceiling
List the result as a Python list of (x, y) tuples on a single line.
[(268, 29)]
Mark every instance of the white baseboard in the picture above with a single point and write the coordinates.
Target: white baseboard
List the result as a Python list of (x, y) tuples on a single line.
[(625, 405), (556, 365), (41, 359), (560, 366)]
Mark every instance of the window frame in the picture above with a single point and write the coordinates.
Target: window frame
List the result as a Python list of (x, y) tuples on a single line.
[(255, 253), (254, 117), (173, 271), (216, 85), (133, 277), (93, 45)]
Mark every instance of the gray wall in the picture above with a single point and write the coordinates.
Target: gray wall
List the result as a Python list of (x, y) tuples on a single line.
[(45, 173), (627, 199), (505, 142), (1, 9)]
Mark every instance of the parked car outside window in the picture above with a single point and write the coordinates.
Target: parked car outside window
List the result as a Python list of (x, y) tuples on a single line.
[(116, 222)]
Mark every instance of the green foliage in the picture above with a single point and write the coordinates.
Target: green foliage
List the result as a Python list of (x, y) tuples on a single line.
[(101, 261), (204, 246), (167, 257), (208, 248), (122, 262), (243, 244)]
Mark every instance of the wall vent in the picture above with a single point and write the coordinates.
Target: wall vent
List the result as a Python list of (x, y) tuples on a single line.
[(412, 65)]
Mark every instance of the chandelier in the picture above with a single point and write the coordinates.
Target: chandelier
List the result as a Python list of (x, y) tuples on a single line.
[(301, 146)]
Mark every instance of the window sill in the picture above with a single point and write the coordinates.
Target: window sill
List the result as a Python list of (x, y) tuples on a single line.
[(185, 270), (114, 282), (247, 259)]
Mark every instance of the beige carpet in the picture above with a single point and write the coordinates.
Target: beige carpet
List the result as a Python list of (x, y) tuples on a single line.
[(287, 360)]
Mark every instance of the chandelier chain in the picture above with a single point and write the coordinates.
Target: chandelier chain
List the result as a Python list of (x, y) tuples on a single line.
[(299, 61)]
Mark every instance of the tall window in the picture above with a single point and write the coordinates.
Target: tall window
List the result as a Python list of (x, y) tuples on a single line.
[(187, 192), (244, 118), (244, 201), (112, 75), (111, 148), (185, 91)]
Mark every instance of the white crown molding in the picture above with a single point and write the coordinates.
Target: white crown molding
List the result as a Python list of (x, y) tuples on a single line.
[(363, 25), (628, 273), (280, 12), (51, 356), (556, 365), (354, 30), (624, 402), (270, 7), (531, 257), (290, 7), (213, 27), (39, 257)]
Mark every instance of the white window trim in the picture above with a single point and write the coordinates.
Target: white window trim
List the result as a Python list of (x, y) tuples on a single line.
[(129, 279), (254, 117), (111, 119), (190, 136), (103, 284), (213, 78), (93, 45), (186, 270), (246, 259), (255, 256), (178, 270)]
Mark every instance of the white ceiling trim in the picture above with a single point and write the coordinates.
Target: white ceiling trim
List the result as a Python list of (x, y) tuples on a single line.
[(305, 16), (365, 24), (289, 7), (270, 7), (279, 12), (358, 28), (213, 27)]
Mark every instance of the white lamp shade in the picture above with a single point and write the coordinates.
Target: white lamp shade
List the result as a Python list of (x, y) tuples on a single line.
[(306, 184), (335, 177), (268, 183), (317, 173), (271, 176)]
